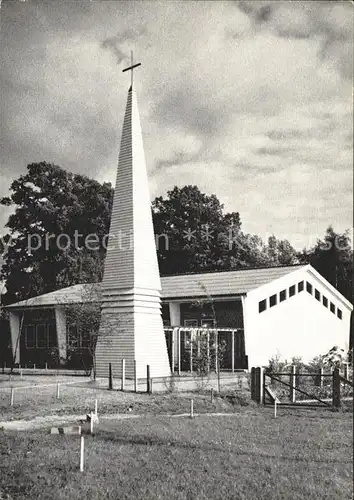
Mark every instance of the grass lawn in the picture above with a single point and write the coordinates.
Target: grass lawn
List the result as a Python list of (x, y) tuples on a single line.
[(80, 398), (247, 455)]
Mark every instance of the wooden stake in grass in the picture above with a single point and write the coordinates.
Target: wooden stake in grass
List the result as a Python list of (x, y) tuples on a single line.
[(211, 395), (148, 380), (12, 396), (123, 375), (82, 445), (135, 378), (192, 408), (58, 390), (110, 378), (275, 408), (96, 408), (91, 423)]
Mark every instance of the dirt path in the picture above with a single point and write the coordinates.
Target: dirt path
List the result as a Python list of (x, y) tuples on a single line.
[(58, 421)]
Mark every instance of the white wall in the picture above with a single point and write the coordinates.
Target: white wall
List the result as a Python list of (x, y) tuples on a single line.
[(15, 335), (60, 321), (299, 326)]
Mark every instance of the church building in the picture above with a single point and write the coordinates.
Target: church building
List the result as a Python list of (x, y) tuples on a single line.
[(257, 313)]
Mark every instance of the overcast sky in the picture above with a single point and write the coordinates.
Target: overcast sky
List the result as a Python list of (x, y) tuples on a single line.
[(251, 101)]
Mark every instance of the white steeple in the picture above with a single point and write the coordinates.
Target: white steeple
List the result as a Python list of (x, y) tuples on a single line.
[(131, 324)]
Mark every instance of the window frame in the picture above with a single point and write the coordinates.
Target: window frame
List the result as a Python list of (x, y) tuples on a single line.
[(284, 297), (309, 288), (317, 295), (275, 302), (45, 333), (33, 326), (292, 291), (300, 286), (264, 301)]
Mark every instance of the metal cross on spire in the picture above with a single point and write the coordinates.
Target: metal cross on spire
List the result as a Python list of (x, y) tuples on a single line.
[(131, 67)]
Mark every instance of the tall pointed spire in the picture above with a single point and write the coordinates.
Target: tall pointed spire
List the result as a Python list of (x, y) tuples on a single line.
[(131, 324)]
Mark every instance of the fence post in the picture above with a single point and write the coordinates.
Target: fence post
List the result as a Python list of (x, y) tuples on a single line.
[(191, 353), (346, 371), (208, 351), (259, 385), (293, 384), (179, 351), (12, 396), (336, 388), (123, 375), (253, 383), (172, 350), (135, 378), (82, 445), (233, 351), (216, 352), (110, 378), (58, 390), (148, 385)]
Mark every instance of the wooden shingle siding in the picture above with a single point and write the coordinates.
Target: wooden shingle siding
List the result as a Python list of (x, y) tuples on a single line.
[(131, 325)]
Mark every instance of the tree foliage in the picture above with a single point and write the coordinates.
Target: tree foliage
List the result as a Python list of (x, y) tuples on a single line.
[(193, 234), (201, 237), (332, 257), (52, 201)]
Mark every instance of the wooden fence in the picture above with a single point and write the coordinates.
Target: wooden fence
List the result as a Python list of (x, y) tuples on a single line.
[(301, 389)]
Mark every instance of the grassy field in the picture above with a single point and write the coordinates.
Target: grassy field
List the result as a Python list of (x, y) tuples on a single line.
[(80, 399), (247, 455)]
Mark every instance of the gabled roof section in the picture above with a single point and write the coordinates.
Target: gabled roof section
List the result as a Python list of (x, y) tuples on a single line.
[(70, 295), (224, 283), (221, 283), (330, 287)]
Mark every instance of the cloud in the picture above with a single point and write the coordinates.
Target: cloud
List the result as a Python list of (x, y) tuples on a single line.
[(329, 22), (116, 42)]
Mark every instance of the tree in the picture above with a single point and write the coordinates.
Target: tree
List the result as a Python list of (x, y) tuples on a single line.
[(332, 257), (55, 211), (193, 225), (83, 322), (280, 252), (200, 237)]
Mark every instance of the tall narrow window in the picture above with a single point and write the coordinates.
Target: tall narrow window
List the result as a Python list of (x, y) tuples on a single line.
[(339, 313), (262, 305), (308, 287), (317, 295), (30, 336), (52, 338), (332, 308), (325, 301), (300, 286), (282, 296), (292, 291), (42, 336), (273, 301)]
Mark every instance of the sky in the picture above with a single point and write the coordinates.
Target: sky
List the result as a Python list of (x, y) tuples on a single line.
[(250, 101)]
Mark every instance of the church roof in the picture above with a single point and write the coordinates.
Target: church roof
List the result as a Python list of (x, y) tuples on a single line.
[(224, 283)]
